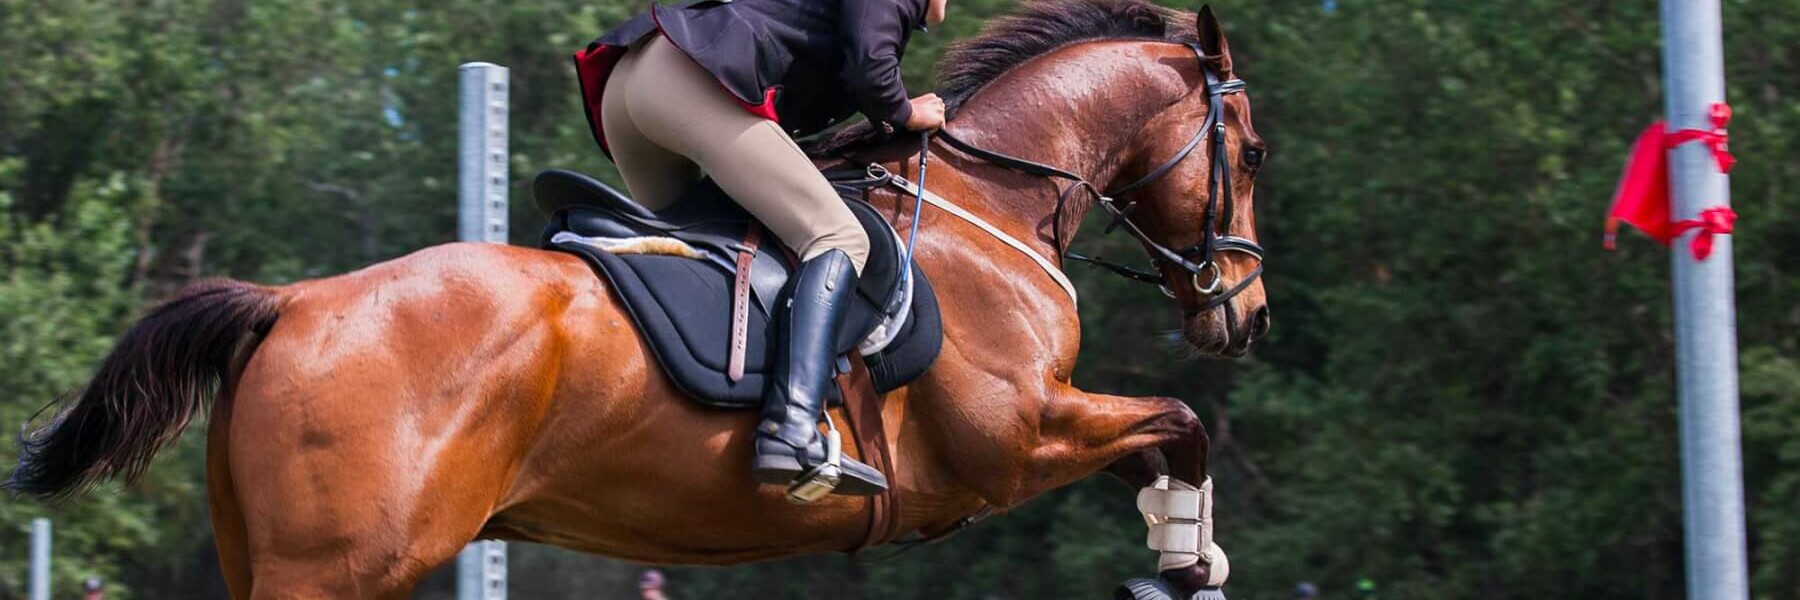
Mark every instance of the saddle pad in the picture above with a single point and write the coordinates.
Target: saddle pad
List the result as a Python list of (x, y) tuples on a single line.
[(682, 305)]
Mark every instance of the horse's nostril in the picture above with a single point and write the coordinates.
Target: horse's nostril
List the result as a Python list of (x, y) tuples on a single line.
[(1259, 323)]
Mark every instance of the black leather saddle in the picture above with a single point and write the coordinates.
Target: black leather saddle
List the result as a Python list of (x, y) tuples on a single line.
[(683, 305)]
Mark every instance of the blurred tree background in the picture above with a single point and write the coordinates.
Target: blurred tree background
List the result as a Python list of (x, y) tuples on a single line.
[(1463, 396)]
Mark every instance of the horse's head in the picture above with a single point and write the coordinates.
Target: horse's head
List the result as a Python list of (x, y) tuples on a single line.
[(1151, 112), (1200, 210)]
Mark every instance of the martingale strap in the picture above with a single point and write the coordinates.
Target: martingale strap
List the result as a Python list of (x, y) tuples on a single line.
[(1050, 268)]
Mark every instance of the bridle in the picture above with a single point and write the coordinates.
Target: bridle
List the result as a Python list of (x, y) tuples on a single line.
[(1197, 260), (1218, 199)]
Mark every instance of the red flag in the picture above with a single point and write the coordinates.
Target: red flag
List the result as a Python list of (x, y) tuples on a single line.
[(1642, 199)]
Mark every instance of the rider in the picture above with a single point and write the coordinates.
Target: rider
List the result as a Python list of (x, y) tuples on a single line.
[(723, 87)]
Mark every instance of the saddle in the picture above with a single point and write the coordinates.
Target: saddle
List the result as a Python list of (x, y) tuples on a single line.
[(703, 279)]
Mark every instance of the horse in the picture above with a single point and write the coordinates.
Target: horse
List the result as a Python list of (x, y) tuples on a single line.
[(364, 427)]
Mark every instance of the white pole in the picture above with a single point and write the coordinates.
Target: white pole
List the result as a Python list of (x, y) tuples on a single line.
[(481, 571), (1712, 491), (40, 559), (481, 156), (481, 217)]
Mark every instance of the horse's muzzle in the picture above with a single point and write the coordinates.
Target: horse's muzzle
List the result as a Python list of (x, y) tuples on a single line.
[(1211, 334)]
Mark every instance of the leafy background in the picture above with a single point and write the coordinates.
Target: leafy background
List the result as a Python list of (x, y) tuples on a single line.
[(1462, 398)]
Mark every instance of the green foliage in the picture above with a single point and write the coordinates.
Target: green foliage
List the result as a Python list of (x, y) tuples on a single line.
[(1463, 397), (63, 291)]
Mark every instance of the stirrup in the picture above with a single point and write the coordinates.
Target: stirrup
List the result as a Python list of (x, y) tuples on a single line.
[(818, 482)]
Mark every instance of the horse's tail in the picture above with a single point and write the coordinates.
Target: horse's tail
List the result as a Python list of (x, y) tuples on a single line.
[(158, 376)]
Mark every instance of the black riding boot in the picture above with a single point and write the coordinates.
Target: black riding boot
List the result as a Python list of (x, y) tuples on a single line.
[(789, 447)]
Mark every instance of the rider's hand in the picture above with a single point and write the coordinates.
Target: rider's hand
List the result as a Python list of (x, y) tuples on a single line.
[(927, 113)]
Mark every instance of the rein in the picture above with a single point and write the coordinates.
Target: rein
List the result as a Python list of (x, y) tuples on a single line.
[(1218, 198), (912, 234)]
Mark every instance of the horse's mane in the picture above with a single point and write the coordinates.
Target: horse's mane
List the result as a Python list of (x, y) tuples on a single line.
[(1006, 42)]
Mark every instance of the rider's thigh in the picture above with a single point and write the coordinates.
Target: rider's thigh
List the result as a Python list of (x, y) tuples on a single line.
[(655, 176), (775, 181), (751, 158)]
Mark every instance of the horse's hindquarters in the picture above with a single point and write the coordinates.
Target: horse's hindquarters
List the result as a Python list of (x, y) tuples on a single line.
[(382, 418), (395, 413)]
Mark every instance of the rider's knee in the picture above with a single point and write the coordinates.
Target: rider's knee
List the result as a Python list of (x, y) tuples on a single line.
[(852, 240)]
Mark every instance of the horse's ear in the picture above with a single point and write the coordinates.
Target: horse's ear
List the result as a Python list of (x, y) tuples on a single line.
[(1212, 38)]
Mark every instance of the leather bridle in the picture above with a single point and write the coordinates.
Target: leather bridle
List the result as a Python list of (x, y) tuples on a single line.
[(1197, 260)]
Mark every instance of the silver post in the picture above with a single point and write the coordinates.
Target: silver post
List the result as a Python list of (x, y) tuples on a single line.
[(481, 217), (481, 163), (481, 571), (1712, 491), (40, 559)]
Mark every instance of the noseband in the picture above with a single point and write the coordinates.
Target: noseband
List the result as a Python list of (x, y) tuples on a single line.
[(1197, 260)]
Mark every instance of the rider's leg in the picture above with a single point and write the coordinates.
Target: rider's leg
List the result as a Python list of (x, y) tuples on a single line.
[(769, 174), (681, 108), (655, 176), (787, 440)]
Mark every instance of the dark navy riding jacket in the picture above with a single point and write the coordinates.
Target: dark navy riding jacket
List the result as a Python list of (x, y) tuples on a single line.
[(806, 64)]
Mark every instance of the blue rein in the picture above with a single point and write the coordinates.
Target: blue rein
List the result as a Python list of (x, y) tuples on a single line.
[(912, 236)]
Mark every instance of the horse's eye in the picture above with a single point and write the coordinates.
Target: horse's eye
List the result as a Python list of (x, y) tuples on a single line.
[(1253, 157)]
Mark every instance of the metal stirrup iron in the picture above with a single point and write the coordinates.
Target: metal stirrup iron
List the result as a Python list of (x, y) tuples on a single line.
[(819, 481)]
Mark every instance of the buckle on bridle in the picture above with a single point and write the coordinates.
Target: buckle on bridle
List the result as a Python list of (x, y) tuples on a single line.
[(1212, 287)]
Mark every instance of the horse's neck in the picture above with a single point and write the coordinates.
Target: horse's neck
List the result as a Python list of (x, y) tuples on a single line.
[(1079, 109)]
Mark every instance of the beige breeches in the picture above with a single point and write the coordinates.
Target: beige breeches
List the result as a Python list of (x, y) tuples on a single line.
[(667, 121)]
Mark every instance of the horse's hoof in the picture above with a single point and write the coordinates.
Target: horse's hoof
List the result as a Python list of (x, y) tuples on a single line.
[(1157, 589)]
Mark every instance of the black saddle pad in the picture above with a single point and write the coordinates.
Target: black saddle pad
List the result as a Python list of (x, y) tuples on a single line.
[(682, 305)]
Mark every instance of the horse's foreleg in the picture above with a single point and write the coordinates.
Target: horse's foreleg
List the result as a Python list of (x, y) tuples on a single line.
[(1201, 565), (1144, 440), (1189, 569), (1082, 432)]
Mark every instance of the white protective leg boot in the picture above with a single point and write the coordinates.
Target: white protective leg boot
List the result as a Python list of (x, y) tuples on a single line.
[(1180, 519)]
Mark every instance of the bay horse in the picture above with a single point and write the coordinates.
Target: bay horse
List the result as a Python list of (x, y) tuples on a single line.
[(369, 425)]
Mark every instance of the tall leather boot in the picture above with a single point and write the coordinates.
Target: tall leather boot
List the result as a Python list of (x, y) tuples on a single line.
[(789, 448)]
